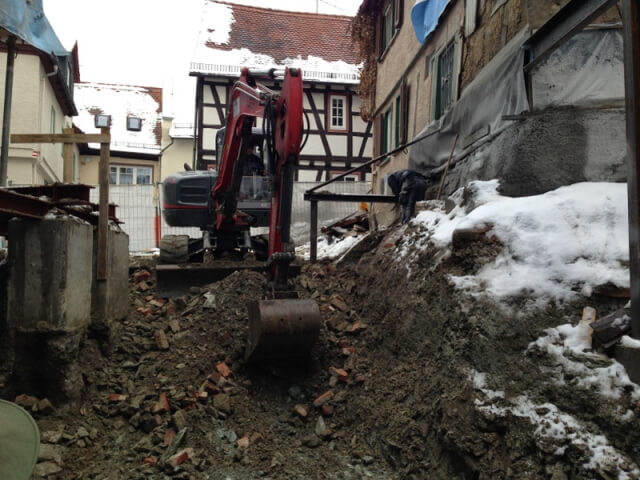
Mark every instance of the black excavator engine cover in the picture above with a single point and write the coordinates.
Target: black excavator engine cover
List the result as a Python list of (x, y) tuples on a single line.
[(186, 199)]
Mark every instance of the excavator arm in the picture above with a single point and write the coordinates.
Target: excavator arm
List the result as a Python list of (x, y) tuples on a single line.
[(281, 325)]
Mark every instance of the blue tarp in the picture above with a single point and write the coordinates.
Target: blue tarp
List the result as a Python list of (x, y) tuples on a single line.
[(425, 15), (27, 21)]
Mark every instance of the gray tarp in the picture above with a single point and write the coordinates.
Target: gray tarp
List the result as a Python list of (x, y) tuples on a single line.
[(587, 70), (499, 89), (27, 21)]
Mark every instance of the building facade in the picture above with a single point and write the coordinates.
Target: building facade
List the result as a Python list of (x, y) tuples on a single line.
[(135, 115), (439, 73), (233, 36), (42, 102)]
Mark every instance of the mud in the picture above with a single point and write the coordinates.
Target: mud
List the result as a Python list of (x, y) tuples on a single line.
[(406, 409)]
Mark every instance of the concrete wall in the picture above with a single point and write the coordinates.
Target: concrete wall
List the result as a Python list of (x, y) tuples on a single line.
[(548, 150), (109, 299), (32, 102)]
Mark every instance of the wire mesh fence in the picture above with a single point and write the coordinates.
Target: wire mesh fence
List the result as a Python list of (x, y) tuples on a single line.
[(139, 207)]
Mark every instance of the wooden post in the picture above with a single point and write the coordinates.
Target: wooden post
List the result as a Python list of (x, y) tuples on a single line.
[(313, 234), (103, 222), (67, 168), (631, 21)]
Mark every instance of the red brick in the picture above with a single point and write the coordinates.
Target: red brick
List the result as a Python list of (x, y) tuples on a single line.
[(340, 373), (223, 369), (181, 457), (117, 397), (324, 398), (148, 298), (25, 401), (338, 302), (141, 276), (210, 387), (347, 351), (301, 410), (150, 460), (161, 340), (171, 309), (327, 410), (143, 287), (162, 405), (215, 377), (169, 435)]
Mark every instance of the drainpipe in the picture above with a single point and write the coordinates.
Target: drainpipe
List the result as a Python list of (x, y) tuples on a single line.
[(6, 116)]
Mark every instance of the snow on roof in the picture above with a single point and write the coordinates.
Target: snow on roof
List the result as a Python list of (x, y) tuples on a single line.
[(234, 36), (121, 102)]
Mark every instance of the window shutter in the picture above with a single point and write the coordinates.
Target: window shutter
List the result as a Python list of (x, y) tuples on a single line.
[(399, 13), (404, 112)]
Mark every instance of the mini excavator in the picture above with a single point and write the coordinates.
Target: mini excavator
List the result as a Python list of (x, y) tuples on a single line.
[(281, 326)]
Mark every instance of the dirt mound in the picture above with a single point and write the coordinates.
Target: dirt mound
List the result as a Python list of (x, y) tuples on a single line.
[(410, 379)]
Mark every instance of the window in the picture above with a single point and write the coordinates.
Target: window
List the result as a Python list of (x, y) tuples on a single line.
[(130, 175), (134, 124), (338, 113), (389, 24), (445, 67)]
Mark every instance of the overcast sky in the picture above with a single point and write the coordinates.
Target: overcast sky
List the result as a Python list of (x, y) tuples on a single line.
[(149, 42)]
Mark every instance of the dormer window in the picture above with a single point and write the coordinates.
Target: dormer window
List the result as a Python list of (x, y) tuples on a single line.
[(134, 124)]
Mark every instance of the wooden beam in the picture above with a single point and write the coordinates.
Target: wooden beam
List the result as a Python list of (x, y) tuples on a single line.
[(103, 221), (67, 154), (61, 138)]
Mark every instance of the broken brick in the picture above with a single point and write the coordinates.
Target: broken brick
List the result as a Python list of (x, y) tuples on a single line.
[(181, 457), (340, 373), (143, 287), (161, 340), (162, 405), (301, 410), (210, 387), (327, 410), (243, 442), (347, 351), (223, 369), (141, 276), (324, 398), (169, 435), (25, 401), (150, 460), (171, 309), (117, 397)]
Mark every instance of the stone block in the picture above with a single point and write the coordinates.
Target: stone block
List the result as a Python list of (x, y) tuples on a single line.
[(109, 299), (50, 266)]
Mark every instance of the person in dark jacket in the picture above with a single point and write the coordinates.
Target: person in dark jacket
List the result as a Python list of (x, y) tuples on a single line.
[(253, 164), (409, 187)]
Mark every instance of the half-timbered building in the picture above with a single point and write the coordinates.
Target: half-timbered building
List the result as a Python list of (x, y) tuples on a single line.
[(233, 36)]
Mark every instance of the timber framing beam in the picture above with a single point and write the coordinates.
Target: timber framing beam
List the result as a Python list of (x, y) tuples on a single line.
[(60, 138), (571, 18)]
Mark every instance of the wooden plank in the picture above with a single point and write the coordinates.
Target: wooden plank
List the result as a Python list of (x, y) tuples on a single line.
[(103, 221), (67, 154), (60, 138)]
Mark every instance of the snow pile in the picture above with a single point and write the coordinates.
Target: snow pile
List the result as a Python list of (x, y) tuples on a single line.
[(216, 22), (556, 245), (556, 429), (570, 348), (330, 250)]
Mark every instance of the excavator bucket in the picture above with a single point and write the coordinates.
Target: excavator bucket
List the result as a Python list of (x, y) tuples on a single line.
[(282, 329)]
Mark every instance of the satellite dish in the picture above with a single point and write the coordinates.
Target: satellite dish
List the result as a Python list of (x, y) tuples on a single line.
[(19, 442)]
